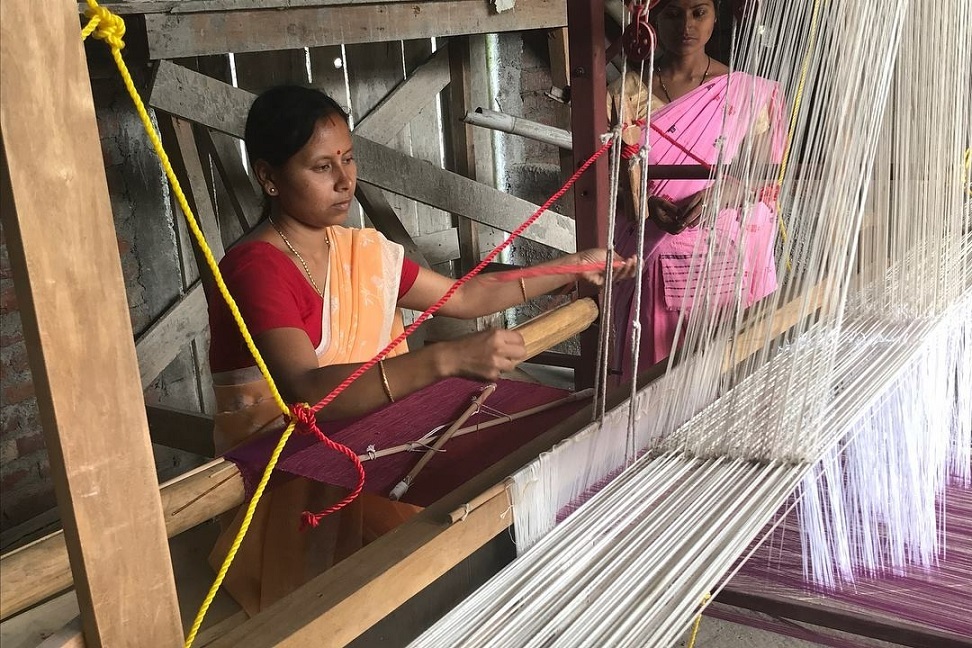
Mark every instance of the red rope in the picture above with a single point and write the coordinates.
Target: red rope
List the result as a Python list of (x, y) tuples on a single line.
[(305, 416)]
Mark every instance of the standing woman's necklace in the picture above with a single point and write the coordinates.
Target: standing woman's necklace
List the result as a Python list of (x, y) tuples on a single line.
[(297, 254), (705, 74)]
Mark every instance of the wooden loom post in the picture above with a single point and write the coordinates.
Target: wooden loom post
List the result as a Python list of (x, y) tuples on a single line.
[(588, 88), (79, 336)]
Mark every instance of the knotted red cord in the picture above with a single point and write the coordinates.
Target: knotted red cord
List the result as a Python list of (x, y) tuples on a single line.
[(305, 416)]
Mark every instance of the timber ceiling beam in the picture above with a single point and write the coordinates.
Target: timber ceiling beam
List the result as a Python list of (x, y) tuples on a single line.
[(179, 35)]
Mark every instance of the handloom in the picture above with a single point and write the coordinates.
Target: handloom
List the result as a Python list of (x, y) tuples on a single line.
[(865, 407)]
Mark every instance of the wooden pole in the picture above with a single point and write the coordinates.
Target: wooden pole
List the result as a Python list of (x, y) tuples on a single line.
[(61, 241), (588, 91)]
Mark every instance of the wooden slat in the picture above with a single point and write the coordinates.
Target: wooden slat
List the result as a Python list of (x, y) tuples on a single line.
[(137, 7), (183, 35), (241, 190), (179, 91), (419, 180), (405, 101), (374, 71), (183, 322), (463, 150), (439, 247), (176, 428), (385, 219), (71, 295)]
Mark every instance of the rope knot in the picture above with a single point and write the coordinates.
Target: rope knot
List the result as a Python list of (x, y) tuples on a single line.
[(303, 416), (309, 520), (107, 26)]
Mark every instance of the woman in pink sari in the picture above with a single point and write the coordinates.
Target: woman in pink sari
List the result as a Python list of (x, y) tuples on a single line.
[(701, 114)]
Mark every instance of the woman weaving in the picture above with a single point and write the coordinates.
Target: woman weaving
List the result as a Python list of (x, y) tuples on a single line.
[(701, 114), (319, 300)]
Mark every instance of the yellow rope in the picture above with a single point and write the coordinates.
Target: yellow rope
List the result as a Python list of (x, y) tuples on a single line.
[(698, 622), (109, 27), (967, 171)]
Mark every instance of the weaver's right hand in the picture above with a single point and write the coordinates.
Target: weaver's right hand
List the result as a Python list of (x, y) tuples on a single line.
[(483, 355)]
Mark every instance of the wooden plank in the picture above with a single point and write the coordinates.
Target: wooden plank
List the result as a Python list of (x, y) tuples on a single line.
[(142, 7), (439, 247), (178, 91), (463, 153), (69, 636), (407, 99), (180, 141), (183, 35), (385, 219), (78, 330), (176, 428), (588, 116), (183, 322), (241, 191), (29, 629), (375, 70), (401, 174)]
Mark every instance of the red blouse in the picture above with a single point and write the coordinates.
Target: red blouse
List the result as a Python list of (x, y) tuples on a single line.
[(271, 292)]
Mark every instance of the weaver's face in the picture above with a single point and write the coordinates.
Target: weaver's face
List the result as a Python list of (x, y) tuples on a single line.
[(316, 185), (685, 26)]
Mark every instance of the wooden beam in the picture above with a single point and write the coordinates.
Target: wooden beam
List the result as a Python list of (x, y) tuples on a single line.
[(77, 326), (182, 323), (143, 7), (588, 117), (241, 190), (463, 150), (41, 569), (439, 247), (422, 181), (179, 91), (192, 34), (406, 100), (340, 604), (176, 428), (384, 218)]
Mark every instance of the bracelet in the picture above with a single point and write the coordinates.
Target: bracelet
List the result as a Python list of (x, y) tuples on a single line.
[(384, 381), (523, 289)]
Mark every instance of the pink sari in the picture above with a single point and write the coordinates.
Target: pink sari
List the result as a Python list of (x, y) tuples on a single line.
[(742, 268)]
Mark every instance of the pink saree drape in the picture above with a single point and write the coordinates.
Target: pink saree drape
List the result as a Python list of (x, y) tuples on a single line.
[(732, 110)]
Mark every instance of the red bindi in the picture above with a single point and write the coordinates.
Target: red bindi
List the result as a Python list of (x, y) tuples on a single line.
[(339, 151)]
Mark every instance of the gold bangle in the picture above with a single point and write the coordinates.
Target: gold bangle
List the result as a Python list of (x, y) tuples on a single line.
[(523, 289), (384, 381)]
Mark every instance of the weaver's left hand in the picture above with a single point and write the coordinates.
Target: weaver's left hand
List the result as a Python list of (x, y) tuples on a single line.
[(599, 256)]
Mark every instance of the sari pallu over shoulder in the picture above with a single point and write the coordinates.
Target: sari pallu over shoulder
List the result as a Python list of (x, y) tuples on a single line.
[(716, 123), (360, 317)]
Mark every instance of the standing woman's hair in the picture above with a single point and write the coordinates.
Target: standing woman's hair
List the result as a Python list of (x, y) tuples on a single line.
[(282, 120)]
